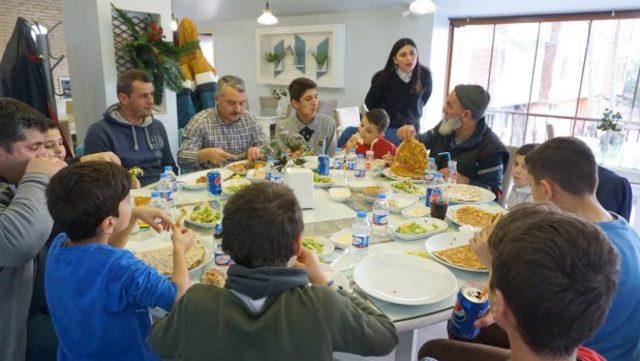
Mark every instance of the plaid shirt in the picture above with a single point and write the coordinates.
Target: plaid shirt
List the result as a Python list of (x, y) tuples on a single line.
[(206, 130)]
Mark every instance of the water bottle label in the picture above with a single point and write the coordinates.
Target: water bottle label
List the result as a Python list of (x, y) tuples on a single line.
[(360, 173), (360, 241), (381, 219)]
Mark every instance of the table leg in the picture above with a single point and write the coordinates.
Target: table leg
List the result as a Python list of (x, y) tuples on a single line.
[(407, 348)]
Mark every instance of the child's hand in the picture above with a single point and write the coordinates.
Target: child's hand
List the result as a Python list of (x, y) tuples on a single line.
[(182, 239), (150, 215), (353, 141), (135, 183), (310, 262), (406, 132), (388, 159)]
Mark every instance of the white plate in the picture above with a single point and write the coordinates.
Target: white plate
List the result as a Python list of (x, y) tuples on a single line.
[(342, 239), (449, 240), (460, 193), (233, 182), (404, 279), (420, 192), (387, 173), (251, 175), (358, 184), (493, 208), (327, 245), (339, 279), (416, 210), (200, 224), (399, 201), (325, 185), (188, 180), (149, 240), (440, 226), (339, 194), (228, 167)]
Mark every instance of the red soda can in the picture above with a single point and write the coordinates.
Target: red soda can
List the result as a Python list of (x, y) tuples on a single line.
[(471, 304), (214, 183)]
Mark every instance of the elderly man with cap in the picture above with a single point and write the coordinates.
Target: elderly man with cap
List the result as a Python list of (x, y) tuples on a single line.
[(463, 132)]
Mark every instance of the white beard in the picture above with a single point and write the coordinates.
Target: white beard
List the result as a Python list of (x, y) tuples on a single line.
[(448, 126)]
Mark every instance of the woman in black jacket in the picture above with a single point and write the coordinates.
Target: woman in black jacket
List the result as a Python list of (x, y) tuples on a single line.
[(402, 88)]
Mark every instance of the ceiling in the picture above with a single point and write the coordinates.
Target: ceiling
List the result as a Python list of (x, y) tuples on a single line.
[(225, 10)]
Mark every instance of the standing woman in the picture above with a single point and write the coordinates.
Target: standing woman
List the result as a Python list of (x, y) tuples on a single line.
[(402, 88)]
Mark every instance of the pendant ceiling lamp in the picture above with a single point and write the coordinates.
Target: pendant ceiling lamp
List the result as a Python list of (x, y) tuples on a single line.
[(422, 7), (267, 17)]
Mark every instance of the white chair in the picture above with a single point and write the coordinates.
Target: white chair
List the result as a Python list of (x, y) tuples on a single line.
[(347, 117), (506, 182), (327, 107)]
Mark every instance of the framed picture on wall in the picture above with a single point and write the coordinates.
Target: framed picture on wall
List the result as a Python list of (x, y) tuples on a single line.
[(65, 87)]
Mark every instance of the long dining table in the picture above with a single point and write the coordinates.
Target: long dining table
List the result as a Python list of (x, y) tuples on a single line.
[(326, 218)]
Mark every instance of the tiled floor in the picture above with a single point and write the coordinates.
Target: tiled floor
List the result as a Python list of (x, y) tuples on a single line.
[(438, 330)]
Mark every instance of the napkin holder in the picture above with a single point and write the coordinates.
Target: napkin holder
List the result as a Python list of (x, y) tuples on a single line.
[(300, 180)]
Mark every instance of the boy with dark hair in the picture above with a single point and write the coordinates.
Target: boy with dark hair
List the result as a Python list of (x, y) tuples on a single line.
[(553, 278), (129, 129), (318, 130), (520, 191), (267, 301), (563, 170), (98, 293), (370, 135)]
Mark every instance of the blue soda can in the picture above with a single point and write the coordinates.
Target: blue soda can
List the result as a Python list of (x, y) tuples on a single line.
[(471, 304), (214, 182), (221, 258), (323, 164)]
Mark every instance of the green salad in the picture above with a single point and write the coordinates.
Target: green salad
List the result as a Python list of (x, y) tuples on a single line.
[(312, 244), (317, 178), (415, 228), (233, 188), (407, 187), (203, 213)]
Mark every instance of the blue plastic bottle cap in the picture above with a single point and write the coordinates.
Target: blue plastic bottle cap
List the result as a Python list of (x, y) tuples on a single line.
[(362, 214), (164, 175), (155, 194), (168, 168), (432, 159), (382, 196), (438, 175)]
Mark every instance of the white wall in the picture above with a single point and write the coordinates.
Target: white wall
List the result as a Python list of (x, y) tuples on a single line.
[(92, 59), (369, 38), (438, 65)]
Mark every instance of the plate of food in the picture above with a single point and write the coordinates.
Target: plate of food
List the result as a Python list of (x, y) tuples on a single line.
[(409, 187), (231, 186), (474, 215), (359, 184), (399, 201), (198, 180), (243, 166), (453, 249), (412, 229), (466, 193), (322, 181), (320, 245), (387, 172), (203, 216), (157, 251), (213, 277), (410, 161), (404, 279), (416, 210), (141, 197), (371, 193), (342, 239), (256, 175), (339, 279)]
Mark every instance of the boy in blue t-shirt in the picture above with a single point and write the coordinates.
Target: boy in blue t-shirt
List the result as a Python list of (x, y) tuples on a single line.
[(98, 293)]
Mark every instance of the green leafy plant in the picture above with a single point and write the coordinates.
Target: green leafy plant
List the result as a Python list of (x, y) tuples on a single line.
[(287, 148), (320, 59), (150, 53), (610, 121), (274, 58)]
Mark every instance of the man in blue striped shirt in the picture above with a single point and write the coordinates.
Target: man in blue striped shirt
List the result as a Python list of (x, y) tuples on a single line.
[(464, 134)]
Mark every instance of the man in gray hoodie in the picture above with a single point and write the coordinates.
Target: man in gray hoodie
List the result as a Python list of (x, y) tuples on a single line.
[(25, 223), (129, 130)]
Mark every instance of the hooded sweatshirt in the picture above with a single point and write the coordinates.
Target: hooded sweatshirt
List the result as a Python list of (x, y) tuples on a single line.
[(145, 146), (25, 224)]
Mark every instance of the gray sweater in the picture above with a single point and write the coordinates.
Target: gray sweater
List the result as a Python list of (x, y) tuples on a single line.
[(25, 224)]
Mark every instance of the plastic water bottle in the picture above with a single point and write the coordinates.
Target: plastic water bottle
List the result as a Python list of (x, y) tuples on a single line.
[(453, 171), (166, 192), (380, 217), (369, 163), (360, 236), (436, 182), (352, 159), (432, 164), (338, 159), (360, 166), (156, 200), (268, 169), (172, 178), (429, 177)]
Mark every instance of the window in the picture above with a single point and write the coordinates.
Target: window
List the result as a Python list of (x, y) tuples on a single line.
[(206, 45), (551, 71)]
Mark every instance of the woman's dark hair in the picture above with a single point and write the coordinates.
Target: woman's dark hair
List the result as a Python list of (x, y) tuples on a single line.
[(260, 224), (81, 196), (415, 84), (379, 118)]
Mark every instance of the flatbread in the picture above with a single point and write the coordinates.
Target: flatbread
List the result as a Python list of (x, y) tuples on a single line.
[(411, 159), (475, 217), (462, 256), (162, 258), (463, 193), (213, 277)]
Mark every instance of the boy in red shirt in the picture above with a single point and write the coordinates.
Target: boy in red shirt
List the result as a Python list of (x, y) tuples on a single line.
[(370, 135)]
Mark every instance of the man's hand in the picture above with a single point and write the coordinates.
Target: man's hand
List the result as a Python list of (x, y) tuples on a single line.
[(104, 157), (149, 215), (309, 261), (463, 179), (406, 132), (48, 166), (253, 154), (213, 155), (479, 243), (182, 239)]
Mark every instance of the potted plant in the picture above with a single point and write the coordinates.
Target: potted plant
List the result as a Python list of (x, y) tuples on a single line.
[(275, 59), (322, 60), (611, 126), (277, 94)]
